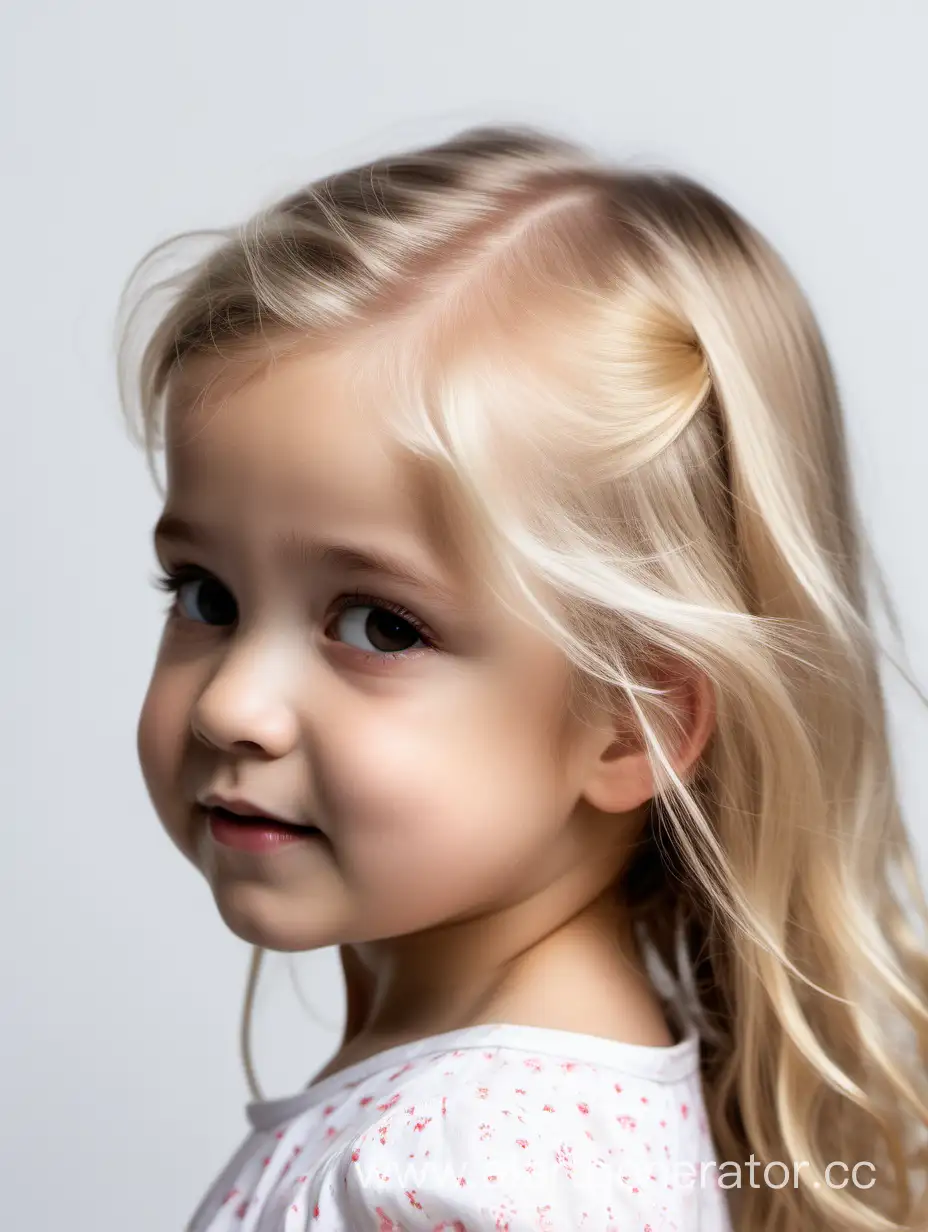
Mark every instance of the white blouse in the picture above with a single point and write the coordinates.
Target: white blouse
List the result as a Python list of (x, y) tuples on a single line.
[(489, 1128)]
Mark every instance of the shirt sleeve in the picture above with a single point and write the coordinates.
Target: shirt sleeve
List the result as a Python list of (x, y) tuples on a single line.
[(464, 1165)]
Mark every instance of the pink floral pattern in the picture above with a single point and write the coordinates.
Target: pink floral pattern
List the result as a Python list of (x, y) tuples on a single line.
[(496, 1128)]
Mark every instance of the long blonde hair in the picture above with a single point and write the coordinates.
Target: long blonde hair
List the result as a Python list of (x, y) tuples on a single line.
[(675, 482)]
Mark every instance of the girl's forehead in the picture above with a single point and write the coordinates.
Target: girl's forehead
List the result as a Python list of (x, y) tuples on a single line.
[(293, 445), (311, 435), (296, 416)]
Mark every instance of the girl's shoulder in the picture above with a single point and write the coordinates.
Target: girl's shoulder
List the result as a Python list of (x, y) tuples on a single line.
[(492, 1062), (481, 1126)]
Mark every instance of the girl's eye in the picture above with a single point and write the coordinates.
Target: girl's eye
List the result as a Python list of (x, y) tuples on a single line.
[(377, 627), (199, 596)]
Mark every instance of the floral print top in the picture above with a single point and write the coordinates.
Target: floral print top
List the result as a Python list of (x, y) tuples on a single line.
[(488, 1128)]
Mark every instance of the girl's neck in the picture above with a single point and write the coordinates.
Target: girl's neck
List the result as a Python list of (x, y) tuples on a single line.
[(586, 976)]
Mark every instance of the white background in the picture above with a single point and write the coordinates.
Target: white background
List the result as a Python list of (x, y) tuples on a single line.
[(120, 1088)]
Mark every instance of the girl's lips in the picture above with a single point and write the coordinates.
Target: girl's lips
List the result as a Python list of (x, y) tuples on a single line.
[(238, 806), (257, 834)]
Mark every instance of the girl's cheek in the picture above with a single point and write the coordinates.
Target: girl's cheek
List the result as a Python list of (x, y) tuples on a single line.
[(148, 744), (159, 738)]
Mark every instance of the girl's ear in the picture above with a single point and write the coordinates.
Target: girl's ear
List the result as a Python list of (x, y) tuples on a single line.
[(619, 776)]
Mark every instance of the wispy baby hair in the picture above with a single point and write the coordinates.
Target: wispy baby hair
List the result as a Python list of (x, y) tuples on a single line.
[(617, 385)]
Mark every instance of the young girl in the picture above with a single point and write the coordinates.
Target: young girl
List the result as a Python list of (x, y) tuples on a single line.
[(519, 648)]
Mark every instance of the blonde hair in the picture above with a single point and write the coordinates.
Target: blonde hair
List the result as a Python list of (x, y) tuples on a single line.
[(674, 483)]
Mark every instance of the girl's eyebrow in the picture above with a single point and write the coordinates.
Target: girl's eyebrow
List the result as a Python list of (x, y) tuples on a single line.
[(304, 551)]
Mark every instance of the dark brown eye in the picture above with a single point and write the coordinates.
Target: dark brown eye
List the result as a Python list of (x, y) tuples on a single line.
[(200, 597), (210, 599), (376, 629)]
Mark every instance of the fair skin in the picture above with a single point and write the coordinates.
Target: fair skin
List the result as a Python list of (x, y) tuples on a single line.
[(472, 825)]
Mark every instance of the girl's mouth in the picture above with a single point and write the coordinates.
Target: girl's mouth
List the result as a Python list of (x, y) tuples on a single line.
[(257, 834)]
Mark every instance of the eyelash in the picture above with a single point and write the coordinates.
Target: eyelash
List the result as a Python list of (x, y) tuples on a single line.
[(171, 580)]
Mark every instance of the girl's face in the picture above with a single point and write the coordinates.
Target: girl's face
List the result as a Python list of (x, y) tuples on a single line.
[(421, 727)]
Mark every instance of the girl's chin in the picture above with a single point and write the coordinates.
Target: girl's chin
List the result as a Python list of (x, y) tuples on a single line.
[(273, 918)]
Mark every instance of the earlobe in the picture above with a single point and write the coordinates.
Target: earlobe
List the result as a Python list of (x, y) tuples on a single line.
[(620, 778)]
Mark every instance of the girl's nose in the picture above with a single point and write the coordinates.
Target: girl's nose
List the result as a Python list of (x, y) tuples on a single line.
[(243, 707)]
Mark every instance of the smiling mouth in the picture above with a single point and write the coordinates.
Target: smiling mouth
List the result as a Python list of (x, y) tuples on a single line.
[(263, 823), (256, 834)]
